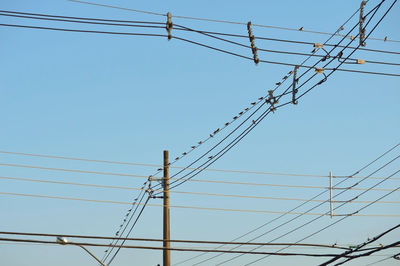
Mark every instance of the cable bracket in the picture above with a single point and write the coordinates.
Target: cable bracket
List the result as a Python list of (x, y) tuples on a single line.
[(169, 25), (295, 81), (272, 100), (362, 28), (252, 43)]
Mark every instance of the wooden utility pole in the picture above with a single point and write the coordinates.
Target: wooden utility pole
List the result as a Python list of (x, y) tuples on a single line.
[(166, 232)]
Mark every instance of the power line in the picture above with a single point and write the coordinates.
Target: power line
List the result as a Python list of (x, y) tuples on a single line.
[(135, 205), (255, 122), (296, 42), (293, 209), (212, 35), (334, 246), (344, 217), (378, 249), (222, 21), (337, 207), (360, 246), (186, 207), (183, 192), (85, 22), (173, 249), (82, 18), (307, 91), (130, 230), (382, 260), (192, 42), (176, 179), (176, 167), (187, 29), (106, 22), (258, 120)]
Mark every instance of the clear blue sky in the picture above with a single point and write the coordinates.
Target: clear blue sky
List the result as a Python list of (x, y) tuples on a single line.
[(128, 98)]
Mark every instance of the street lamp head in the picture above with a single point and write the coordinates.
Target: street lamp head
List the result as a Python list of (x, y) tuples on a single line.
[(62, 240)]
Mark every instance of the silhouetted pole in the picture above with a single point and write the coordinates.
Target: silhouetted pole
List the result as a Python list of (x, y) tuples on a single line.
[(166, 232)]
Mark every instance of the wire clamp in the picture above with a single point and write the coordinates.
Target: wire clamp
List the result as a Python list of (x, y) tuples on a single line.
[(253, 45), (362, 28), (361, 61), (321, 70), (169, 25), (295, 81), (317, 46), (272, 100)]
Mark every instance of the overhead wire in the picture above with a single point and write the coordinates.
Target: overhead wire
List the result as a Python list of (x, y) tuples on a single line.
[(179, 27), (127, 235), (188, 192), (337, 221), (181, 167), (195, 193), (384, 259), (307, 211), (189, 41), (137, 25), (358, 247), (330, 74), (244, 133), (340, 182), (353, 51), (163, 248), (369, 253), (171, 166), (333, 246), (274, 51), (220, 21), (183, 206)]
